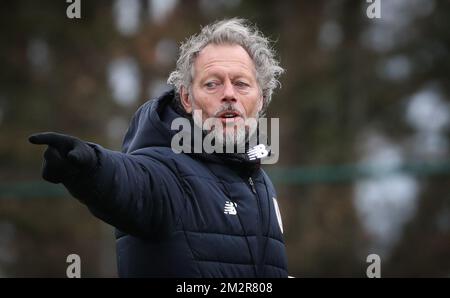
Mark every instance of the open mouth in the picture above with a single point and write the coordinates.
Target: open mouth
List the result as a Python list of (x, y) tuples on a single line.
[(229, 115)]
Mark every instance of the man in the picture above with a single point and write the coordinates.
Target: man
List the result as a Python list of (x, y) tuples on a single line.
[(188, 214)]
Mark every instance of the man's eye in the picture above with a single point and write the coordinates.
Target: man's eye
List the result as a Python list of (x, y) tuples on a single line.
[(241, 84), (211, 85)]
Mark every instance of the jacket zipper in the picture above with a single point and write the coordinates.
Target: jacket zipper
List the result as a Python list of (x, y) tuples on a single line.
[(252, 185), (259, 264)]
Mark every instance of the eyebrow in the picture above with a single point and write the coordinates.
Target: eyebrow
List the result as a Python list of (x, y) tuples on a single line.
[(220, 74)]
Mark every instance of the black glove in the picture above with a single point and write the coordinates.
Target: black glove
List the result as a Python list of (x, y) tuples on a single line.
[(66, 156)]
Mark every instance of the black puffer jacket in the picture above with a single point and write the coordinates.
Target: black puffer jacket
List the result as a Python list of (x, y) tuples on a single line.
[(183, 215)]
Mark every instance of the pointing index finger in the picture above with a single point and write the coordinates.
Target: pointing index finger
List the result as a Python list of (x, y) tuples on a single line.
[(47, 138)]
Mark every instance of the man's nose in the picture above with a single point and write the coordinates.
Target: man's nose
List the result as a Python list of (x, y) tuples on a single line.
[(228, 92)]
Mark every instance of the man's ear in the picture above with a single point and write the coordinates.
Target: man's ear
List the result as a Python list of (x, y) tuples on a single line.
[(184, 97)]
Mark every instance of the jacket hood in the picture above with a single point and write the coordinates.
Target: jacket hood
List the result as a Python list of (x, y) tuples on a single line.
[(150, 125)]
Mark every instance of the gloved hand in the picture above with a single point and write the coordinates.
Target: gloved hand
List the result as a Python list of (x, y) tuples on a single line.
[(65, 157)]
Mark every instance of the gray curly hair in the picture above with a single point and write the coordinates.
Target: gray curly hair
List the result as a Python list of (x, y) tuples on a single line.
[(233, 31)]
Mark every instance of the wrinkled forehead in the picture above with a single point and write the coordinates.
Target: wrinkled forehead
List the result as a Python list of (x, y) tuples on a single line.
[(225, 56)]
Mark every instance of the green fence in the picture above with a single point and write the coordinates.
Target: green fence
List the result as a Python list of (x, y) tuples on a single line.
[(280, 176)]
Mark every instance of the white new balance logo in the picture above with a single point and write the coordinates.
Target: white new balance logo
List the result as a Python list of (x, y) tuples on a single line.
[(258, 151), (230, 208)]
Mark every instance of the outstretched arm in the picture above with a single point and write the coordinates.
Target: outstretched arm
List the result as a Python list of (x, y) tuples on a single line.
[(130, 192)]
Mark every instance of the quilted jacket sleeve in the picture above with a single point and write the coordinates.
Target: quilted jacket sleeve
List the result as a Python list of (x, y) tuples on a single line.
[(131, 192)]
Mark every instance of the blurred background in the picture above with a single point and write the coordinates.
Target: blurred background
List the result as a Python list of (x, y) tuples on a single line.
[(364, 116)]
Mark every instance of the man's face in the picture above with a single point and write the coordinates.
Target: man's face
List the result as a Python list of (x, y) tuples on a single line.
[(224, 87)]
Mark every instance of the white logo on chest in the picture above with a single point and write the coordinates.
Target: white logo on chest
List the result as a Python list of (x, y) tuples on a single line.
[(230, 208)]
